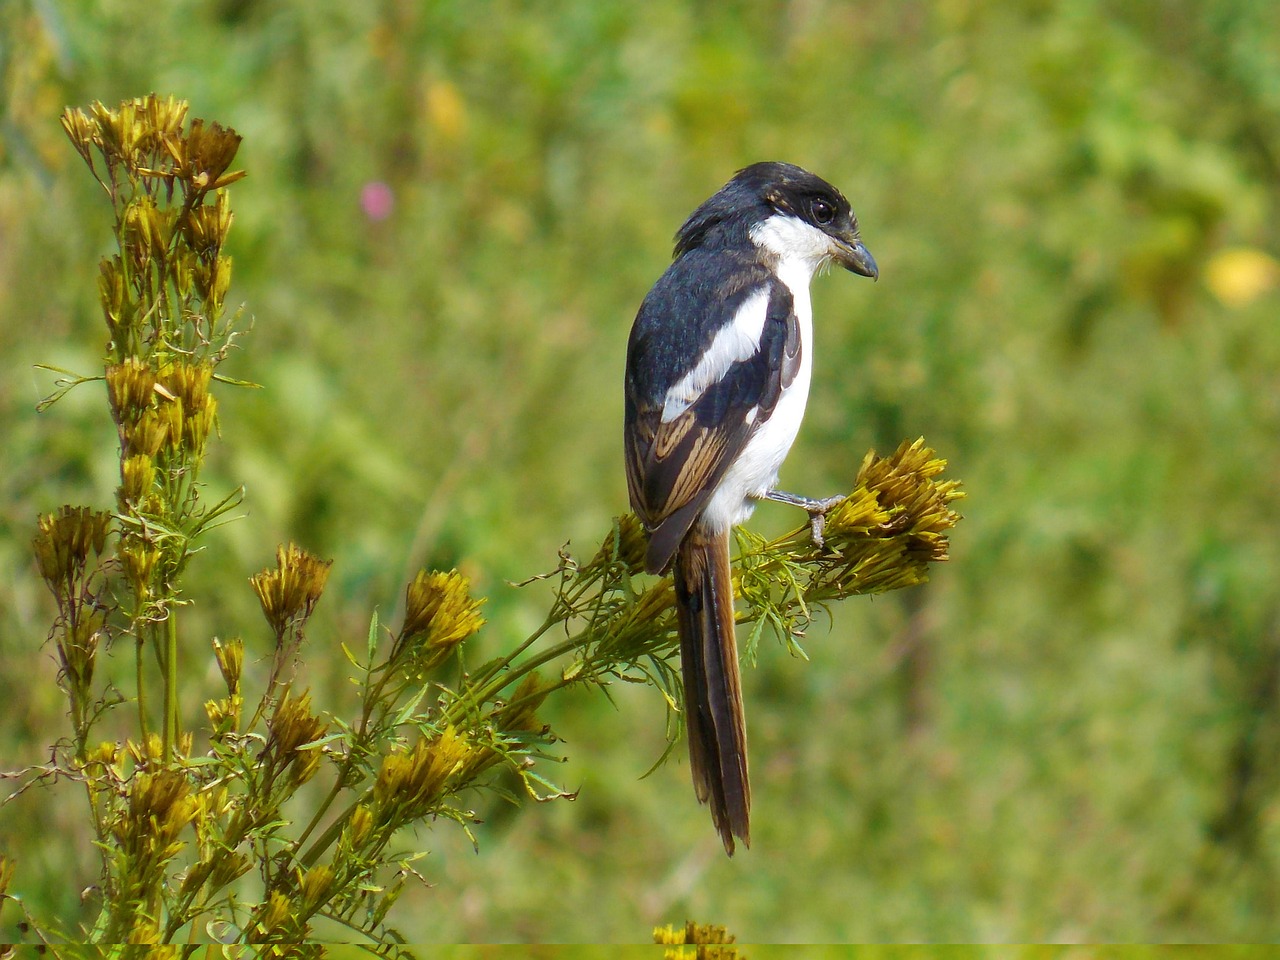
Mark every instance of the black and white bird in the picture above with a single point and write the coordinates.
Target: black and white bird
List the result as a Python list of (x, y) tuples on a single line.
[(718, 369)]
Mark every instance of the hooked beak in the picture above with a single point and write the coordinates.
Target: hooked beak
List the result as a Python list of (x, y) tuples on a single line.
[(853, 256)]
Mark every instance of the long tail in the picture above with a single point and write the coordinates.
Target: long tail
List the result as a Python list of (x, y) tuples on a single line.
[(712, 692)]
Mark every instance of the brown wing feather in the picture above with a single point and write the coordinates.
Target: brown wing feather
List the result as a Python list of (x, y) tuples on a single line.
[(672, 468)]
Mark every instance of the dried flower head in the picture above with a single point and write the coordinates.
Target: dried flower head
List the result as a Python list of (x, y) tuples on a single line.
[(189, 407), (118, 308), (137, 474), (145, 136), (314, 886), (519, 713), (627, 543), (230, 657), (291, 727), (207, 226), (228, 867), (439, 615), (146, 436), (212, 279), (209, 152), (358, 828), (140, 560), (130, 390), (160, 806), (77, 643), (289, 593), (885, 534), (273, 915), (63, 543)]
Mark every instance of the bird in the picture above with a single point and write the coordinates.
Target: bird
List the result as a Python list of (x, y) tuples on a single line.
[(718, 366)]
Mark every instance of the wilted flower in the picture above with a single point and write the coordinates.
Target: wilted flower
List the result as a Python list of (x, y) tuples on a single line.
[(210, 150), (63, 543)]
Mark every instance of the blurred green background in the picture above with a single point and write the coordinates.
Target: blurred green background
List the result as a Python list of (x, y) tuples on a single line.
[(453, 211)]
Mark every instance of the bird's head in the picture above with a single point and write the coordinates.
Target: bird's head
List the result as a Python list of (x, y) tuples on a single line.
[(786, 210)]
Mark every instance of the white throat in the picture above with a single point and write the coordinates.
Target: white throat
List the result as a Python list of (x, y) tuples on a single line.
[(798, 245)]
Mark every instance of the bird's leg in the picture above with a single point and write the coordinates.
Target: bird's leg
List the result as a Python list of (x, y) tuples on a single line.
[(817, 510)]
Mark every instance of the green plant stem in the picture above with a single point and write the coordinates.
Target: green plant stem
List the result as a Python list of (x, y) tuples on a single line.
[(490, 689), (330, 797), (346, 923), (529, 641), (331, 834), (325, 804), (139, 643), (471, 702), (170, 684), (372, 695)]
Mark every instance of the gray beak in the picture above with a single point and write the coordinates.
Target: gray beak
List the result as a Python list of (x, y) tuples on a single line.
[(858, 259)]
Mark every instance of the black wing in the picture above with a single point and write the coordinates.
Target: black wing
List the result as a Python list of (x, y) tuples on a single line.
[(674, 466)]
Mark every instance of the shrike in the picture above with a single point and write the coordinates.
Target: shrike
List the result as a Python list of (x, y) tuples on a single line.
[(718, 368)]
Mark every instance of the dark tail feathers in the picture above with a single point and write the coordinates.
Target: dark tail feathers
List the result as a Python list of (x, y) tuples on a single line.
[(712, 692)]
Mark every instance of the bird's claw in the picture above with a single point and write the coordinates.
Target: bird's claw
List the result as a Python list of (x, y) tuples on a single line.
[(818, 510)]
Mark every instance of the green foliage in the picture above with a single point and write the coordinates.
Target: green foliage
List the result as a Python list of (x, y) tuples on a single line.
[(1070, 734)]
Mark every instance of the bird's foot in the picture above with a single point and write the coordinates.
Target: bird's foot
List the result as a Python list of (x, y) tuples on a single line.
[(817, 510)]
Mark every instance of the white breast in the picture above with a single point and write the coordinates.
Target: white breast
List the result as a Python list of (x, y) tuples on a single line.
[(755, 472)]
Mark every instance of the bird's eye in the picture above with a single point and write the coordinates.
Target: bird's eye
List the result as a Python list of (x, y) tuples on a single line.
[(822, 211)]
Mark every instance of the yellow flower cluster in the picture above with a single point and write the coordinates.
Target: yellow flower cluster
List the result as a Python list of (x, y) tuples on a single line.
[(439, 615), (289, 593)]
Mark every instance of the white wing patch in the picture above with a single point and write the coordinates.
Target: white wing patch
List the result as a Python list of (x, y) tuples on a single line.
[(736, 341)]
